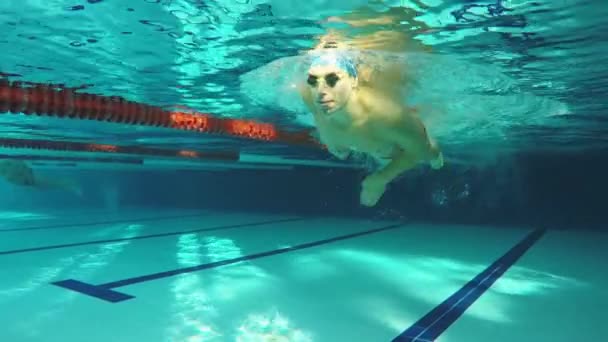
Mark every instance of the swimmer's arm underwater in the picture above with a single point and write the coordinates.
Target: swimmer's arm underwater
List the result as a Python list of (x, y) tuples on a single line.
[(401, 162), (413, 144), (374, 185)]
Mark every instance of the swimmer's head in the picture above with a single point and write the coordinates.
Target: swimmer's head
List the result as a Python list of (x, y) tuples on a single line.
[(332, 77), (337, 59)]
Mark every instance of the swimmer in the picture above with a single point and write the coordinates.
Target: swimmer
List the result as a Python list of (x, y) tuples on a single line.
[(19, 173), (366, 115)]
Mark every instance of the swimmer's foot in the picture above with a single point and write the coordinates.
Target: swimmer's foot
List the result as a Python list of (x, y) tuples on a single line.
[(372, 189), (437, 163)]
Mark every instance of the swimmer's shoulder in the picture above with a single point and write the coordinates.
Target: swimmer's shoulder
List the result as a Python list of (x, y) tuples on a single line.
[(379, 105), (385, 115)]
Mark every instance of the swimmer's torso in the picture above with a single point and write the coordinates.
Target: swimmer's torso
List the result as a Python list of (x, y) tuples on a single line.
[(370, 134), (356, 137)]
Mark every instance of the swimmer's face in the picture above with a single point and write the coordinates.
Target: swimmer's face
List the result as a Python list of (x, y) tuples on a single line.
[(330, 86)]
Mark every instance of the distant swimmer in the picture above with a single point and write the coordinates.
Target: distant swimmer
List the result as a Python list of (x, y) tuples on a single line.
[(19, 173), (358, 108)]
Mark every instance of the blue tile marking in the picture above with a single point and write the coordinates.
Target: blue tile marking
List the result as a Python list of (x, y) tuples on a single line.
[(97, 223), (105, 292), (94, 291), (434, 323), (142, 237)]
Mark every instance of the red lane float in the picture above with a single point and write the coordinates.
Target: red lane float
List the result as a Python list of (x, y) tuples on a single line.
[(48, 100), (223, 155)]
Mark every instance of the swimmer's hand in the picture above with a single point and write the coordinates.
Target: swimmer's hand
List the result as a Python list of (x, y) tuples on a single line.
[(437, 163), (372, 189), (340, 153)]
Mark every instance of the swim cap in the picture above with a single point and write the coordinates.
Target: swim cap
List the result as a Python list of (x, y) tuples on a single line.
[(334, 58)]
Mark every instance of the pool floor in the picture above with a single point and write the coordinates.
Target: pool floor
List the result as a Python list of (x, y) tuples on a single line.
[(181, 275)]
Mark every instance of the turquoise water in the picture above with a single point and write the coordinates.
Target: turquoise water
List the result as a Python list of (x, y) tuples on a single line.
[(508, 74), (501, 78)]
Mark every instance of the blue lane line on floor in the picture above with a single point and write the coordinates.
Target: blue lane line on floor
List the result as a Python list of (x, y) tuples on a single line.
[(434, 323), (151, 236), (105, 292), (97, 223)]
